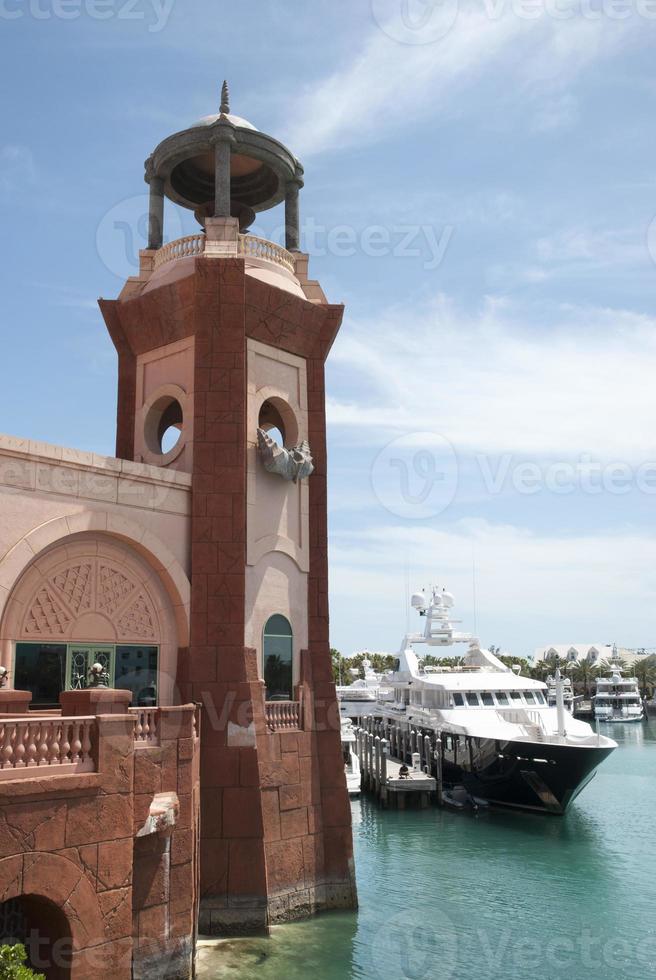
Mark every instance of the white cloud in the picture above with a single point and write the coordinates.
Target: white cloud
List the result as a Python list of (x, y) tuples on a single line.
[(389, 84), (531, 588), (557, 382)]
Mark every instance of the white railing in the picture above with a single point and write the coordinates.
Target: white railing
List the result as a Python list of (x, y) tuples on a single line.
[(283, 716), (180, 249), (260, 248), (249, 246), (146, 728), (59, 745)]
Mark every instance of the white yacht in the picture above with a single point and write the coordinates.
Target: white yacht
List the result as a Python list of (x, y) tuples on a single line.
[(351, 761), (618, 698), (500, 739), (568, 693), (359, 699)]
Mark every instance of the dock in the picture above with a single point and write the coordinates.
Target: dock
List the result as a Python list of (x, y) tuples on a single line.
[(382, 750)]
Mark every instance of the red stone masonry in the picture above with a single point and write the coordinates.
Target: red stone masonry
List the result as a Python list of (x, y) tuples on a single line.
[(276, 835), (129, 903)]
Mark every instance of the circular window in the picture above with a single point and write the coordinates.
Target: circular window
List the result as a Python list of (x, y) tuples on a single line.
[(163, 427)]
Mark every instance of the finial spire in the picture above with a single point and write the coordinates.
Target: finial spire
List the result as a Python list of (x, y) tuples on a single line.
[(225, 99)]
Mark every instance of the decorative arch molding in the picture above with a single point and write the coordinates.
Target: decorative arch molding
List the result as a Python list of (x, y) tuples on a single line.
[(91, 590), (162, 562), (95, 577), (59, 881)]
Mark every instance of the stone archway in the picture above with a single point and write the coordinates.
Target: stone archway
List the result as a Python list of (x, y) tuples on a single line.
[(43, 930), (57, 900), (95, 588)]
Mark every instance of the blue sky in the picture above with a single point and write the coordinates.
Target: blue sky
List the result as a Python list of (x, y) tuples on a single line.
[(480, 192)]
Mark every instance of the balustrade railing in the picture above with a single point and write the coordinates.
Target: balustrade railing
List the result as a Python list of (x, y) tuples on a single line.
[(260, 248), (283, 716), (249, 246), (180, 249), (38, 745), (146, 728)]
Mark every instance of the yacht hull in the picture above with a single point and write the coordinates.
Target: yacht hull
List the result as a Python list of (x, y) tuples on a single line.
[(524, 775)]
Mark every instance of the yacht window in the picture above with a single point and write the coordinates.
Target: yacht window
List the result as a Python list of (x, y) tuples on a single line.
[(540, 696), (516, 695), (529, 697), (502, 697), (487, 698), (472, 698), (458, 700)]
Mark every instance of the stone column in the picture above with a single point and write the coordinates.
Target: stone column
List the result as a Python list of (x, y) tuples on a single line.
[(292, 217), (222, 174), (156, 213)]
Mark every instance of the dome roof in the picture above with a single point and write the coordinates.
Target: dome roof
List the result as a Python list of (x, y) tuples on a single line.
[(235, 120)]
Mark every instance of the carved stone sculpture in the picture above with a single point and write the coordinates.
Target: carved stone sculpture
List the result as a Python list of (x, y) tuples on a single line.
[(291, 464)]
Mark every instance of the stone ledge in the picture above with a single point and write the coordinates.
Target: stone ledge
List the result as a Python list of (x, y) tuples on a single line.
[(46, 784), (41, 468), (43, 451)]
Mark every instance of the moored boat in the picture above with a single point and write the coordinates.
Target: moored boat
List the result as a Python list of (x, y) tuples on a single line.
[(499, 737), (351, 761), (618, 698)]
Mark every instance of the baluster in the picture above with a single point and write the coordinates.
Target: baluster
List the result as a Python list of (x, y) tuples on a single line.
[(138, 728), (146, 725), (7, 748), (76, 743), (43, 744), (65, 747), (86, 740), (24, 746), (53, 754)]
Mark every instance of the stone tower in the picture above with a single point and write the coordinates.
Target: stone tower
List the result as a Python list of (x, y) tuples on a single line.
[(221, 343)]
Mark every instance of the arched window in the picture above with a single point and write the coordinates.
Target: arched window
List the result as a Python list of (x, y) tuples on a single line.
[(277, 646)]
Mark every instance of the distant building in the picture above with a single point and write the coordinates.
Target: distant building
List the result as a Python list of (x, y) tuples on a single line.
[(594, 653)]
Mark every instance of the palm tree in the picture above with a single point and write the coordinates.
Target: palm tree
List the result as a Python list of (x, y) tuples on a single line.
[(584, 672), (645, 672)]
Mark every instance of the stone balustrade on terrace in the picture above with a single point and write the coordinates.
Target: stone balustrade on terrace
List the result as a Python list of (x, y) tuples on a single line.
[(284, 716), (249, 246), (35, 744)]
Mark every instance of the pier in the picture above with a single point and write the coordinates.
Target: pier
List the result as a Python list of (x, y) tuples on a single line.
[(383, 749)]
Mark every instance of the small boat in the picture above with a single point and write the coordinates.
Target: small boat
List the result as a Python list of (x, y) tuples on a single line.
[(351, 761), (359, 699), (458, 798), (618, 698)]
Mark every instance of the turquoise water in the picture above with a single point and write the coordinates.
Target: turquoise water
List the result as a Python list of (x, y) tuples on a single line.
[(498, 895)]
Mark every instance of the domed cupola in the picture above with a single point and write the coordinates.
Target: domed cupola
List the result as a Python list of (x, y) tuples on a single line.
[(223, 166)]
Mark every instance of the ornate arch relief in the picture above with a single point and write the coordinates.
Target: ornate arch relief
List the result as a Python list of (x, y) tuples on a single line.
[(98, 585)]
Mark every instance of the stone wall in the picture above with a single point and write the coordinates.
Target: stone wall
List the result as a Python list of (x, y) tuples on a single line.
[(69, 841)]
